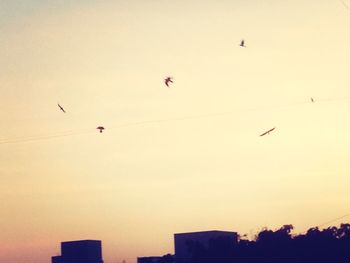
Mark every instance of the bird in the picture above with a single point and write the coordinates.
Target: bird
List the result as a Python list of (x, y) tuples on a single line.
[(61, 108), (167, 80), (242, 43), (101, 128), (268, 132), (312, 100)]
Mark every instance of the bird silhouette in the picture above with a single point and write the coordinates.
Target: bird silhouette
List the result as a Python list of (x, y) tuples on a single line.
[(61, 108), (101, 128), (242, 43), (167, 80), (312, 100), (267, 132)]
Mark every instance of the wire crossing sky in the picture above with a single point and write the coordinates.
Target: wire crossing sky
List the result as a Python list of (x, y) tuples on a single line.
[(171, 159), (345, 5), (35, 138)]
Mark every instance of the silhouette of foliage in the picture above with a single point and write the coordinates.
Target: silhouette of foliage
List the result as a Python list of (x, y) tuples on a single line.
[(330, 245)]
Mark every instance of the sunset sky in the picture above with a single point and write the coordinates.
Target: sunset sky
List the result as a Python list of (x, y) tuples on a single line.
[(178, 159)]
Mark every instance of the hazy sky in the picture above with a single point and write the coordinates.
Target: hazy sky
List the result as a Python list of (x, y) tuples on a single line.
[(196, 168)]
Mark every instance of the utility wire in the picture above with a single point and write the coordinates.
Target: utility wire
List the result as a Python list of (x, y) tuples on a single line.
[(333, 220), (345, 5), (33, 138)]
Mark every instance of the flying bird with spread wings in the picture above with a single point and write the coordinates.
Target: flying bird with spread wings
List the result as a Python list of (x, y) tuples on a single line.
[(61, 108), (267, 132), (242, 43), (101, 128), (167, 80)]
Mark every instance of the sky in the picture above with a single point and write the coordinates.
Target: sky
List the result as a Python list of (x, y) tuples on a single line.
[(179, 159)]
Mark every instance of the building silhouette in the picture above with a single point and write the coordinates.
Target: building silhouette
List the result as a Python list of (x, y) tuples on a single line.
[(80, 251), (148, 259), (184, 241)]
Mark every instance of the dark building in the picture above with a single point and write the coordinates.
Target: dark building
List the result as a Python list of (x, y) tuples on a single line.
[(184, 240), (148, 259), (56, 259), (81, 251)]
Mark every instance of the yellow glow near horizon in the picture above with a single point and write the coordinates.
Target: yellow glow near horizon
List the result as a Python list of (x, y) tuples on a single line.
[(134, 186)]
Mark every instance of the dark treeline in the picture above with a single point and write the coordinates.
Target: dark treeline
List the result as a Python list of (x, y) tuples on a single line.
[(331, 245)]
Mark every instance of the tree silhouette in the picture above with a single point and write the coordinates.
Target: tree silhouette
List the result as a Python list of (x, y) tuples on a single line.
[(330, 245)]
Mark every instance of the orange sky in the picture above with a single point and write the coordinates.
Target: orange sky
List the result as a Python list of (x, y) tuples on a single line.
[(169, 160)]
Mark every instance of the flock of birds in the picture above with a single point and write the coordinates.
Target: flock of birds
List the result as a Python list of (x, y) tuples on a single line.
[(168, 81)]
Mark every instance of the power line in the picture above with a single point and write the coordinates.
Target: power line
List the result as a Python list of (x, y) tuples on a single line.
[(345, 5), (333, 220), (34, 138), (39, 138)]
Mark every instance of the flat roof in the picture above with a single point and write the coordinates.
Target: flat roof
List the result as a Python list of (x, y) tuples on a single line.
[(85, 240), (206, 232)]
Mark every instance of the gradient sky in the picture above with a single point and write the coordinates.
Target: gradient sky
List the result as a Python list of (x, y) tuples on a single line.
[(196, 168)]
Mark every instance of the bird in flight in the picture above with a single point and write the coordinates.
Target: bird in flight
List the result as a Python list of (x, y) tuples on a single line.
[(312, 100), (61, 108), (101, 128), (267, 132), (242, 43), (167, 80)]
